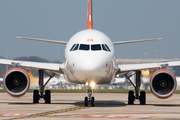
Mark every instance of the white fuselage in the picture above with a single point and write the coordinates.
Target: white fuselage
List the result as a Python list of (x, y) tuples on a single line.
[(89, 58)]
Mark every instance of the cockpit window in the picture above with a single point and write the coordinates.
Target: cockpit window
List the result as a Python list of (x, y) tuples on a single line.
[(76, 47), (104, 47), (84, 47), (96, 47), (72, 47), (107, 48)]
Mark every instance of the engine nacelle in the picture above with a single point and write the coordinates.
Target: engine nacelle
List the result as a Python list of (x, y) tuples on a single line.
[(16, 82), (163, 83)]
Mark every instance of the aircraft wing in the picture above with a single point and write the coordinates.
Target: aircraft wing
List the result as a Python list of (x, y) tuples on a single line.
[(43, 40), (136, 41), (125, 68), (52, 67)]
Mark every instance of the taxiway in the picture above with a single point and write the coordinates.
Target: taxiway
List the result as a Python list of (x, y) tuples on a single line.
[(71, 106)]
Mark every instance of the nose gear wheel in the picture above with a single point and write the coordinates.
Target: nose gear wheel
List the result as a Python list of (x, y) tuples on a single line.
[(89, 99)]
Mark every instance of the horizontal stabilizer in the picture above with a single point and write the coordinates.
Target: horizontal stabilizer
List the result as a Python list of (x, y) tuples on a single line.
[(136, 41), (44, 40)]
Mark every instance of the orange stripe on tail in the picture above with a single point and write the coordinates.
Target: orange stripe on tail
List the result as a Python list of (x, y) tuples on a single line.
[(89, 17)]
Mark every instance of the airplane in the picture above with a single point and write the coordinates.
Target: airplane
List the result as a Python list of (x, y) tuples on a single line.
[(89, 60)]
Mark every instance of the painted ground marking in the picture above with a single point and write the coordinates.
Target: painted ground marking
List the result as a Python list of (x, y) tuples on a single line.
[(114, 116), (13, 115), (48, 113)]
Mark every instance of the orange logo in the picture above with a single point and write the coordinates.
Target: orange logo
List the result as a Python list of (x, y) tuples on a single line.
[(90, 40)]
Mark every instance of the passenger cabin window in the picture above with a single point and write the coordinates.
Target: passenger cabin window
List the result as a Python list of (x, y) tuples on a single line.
[(96, 47), (72, 47), (84, 47)]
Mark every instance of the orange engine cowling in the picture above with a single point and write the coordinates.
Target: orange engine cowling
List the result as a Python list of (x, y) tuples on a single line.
[(16, 82), (163, 83)]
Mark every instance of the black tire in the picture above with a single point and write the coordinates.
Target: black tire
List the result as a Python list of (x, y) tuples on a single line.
[(142, 98), (131, 98), (36, 96), (48, 96), (92, 101), (86, 101)]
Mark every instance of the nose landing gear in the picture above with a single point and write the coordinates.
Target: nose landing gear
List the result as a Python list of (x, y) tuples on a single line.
[(89, 99)]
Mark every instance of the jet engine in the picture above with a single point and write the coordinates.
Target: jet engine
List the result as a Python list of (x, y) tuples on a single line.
[(163, 83), (16, 82)]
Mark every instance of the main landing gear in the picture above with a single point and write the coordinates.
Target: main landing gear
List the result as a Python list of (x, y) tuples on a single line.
[(47, 95), (131, 96), (89, 99)]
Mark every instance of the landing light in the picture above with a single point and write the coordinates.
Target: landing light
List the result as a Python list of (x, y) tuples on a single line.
[(92, 84)]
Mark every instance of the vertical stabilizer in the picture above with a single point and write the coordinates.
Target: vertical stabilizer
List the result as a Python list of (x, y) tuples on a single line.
[(89, 17)]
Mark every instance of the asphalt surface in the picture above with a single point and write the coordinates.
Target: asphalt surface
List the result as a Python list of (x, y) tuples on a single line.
[(69, 106)]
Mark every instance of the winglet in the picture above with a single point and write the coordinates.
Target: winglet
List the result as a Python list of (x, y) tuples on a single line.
[(89, 17)]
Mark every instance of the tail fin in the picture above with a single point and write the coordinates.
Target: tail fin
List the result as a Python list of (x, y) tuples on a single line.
[(89, 17)]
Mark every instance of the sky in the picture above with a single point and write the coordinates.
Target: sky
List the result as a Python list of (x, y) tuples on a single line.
[(121, 20)]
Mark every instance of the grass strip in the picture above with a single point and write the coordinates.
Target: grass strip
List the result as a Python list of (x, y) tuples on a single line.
[(94, 91)]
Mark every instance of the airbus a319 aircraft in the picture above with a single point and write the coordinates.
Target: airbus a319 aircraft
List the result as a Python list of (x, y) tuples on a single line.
[(89, 60)]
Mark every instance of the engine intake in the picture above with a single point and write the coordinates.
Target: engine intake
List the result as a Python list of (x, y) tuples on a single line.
[(163, 84), (16, 82)]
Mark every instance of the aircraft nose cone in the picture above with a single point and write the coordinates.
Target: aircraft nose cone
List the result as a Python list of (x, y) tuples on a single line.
[(89, 64), (90, 68)]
